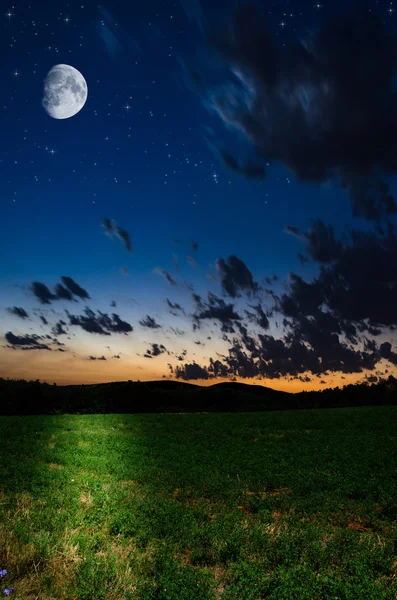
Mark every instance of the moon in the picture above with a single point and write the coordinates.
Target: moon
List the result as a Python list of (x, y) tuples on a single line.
[(65, 92)]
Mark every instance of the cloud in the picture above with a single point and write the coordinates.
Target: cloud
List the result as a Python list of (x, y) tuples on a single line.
[(74, 288), (357, 282), (259, 317), (58, 328), (192, 262), (62, 292), (95, 358), (194, 246), (114, 38), (191, 371), (251, 170), (166, 275), (42, 292), (150, 323), (235, 276), (124, 236), (44, 320), (26, 342), (174, 307), (155, 350), (324, 107), (18, 311), (217, 310), (101, 323), (113, 230)]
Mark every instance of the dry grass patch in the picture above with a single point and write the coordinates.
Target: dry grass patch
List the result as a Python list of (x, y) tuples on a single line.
[(83, 444), (12, 552), (132, 486), (56, 467), (24, 503), (86, 499), (62, 565)]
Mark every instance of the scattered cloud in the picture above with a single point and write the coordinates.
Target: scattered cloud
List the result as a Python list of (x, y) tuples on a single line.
[(113, 230), (18, 311), (235, 276), (166, 275), (26, 342), (101, 323), (155, 350), (150, 323)]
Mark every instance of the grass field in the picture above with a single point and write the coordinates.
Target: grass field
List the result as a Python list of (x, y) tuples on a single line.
[(279, 505)]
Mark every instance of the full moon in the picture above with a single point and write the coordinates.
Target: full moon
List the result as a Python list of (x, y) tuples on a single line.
[(65, 92)]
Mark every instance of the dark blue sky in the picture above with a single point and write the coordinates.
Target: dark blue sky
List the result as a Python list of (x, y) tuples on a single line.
[(138, 153)]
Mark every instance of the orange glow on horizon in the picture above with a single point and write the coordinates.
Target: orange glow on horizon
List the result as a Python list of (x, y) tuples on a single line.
[(66, 369)]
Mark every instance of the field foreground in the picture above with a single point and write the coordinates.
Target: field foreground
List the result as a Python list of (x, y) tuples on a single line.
[(276, 505)]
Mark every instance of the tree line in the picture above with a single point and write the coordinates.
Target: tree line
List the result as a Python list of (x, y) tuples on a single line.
[(21, 397)]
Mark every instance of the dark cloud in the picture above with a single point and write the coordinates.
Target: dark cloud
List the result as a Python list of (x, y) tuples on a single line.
[(58, 328), (113, 230), (26, 342), (155, 350), (166, 275), (215, 309), (124, 236), (386, 352), (75, 288), (235, 276), (194, 246), (113, 304), (95, 358), (252, 170), (190, 372), (320, 241), (357, 281), (259, 317), (323, 107), (100, 323), (174, 307), (44, 320), (150, 323), (62, 292), (42, 292), (18, 311)]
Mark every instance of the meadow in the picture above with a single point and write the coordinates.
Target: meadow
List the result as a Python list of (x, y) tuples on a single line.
[(234, 506)]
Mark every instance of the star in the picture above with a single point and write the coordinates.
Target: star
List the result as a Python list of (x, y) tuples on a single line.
[(127, 106), (9, 14), (16, 73), (318, 6), (67, 20)]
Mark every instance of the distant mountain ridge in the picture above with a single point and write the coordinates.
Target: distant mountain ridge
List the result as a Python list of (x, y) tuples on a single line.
[(171, 385)]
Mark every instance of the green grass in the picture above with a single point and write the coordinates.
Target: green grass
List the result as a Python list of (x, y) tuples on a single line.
[(278, 505)]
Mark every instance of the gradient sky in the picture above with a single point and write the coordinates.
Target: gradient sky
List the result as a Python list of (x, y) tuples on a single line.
[(144, 151)]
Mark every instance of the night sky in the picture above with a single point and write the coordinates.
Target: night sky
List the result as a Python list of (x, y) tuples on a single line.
[(222, 206)]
